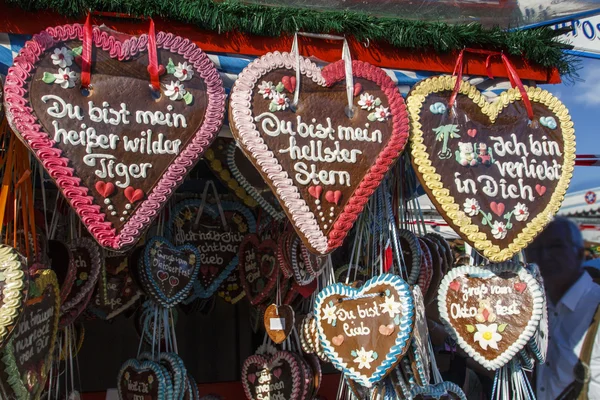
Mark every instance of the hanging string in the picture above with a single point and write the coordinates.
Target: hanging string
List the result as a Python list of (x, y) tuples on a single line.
[(346, 56), (153, 67), (86, 55), (217, 200), (515, 81)]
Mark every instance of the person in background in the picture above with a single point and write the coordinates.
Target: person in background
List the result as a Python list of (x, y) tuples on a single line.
[(572, 368)]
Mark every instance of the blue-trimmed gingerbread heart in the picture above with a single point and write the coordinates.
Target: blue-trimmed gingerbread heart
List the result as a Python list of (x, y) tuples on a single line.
[(145, 380), (218, 245), (169, 271), (365, 331)]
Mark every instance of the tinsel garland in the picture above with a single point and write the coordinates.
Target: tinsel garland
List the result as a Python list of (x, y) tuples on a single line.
[(537, 46)]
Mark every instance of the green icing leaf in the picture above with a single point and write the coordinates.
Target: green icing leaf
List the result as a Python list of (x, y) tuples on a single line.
[(188, 98), (371, 117), (375, 355), (470, 328), (272, 107), (279, 88), (353, 353), (377, 102), (77, 51), (48, 77), (170, 67), (502, 327)]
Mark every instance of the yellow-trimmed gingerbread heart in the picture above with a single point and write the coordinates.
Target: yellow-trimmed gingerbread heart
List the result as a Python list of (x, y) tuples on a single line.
[(495, 176)]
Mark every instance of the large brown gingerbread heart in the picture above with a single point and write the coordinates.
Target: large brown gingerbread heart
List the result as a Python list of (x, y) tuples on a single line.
[(491, 312), (116, 153), (495, 176), (321, 164)]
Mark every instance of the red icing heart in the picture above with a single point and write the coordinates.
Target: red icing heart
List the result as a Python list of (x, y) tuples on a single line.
[(252, 377), (315, 191), (158, 174), (540, 189), (173, 281), (329, 196), (497, 208), (472, 132), (455, 285), (162, 275), (105, 188), (133, 195), (355, 178), (520, 286), (357, 89), (213, 269), (289, 83), (277, 372)]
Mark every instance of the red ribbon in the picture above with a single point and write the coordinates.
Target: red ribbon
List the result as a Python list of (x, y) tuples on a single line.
[(86, 55), (515, 81), (153, 68)]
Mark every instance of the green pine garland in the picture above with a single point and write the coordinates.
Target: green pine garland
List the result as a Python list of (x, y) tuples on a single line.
[(538, 46)]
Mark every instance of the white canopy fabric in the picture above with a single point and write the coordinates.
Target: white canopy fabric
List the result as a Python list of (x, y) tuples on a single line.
[(583, 203)]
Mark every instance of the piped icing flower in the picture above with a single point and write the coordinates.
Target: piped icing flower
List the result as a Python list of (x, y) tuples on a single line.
[(487, 335), (382, 113), (329, 313), (498, 230), (279, 102), (364, 358), (267, 89), (175, 90), (366, 102), (184, 71), (521, 212), (390, 306), (65, 78), (471, 207), (62, 57)]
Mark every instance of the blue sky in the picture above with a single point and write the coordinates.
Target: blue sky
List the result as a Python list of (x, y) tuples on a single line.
[(582, 98)]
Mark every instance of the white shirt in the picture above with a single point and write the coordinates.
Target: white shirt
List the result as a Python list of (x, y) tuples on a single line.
[(569, 321)]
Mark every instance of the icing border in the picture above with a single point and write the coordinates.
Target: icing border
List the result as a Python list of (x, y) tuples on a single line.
[(415, 249), (25, 123), (14, 292), (254, 146), (537, 299), (404, 329), (431, 178)]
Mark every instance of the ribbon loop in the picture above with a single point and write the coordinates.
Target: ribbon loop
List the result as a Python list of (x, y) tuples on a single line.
[(346, 56), (513, 76), (86, 54), (153, 67)]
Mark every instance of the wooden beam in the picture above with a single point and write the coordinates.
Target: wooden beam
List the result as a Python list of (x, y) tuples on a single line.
[(15, 20)]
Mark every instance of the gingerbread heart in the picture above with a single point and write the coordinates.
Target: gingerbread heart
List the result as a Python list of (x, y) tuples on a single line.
[(169, 271), (120, 133), (271, 378), (85, 255), (14, 283), (218, 244), (258, 267), (27, 362), (490, 320), (296, 147), (365, 355), (500, 188), (144, 379), (279, 321)]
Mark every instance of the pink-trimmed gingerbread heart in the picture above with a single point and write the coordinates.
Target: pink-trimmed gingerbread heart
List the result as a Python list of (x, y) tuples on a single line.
[(120, 134), (317, 144)]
